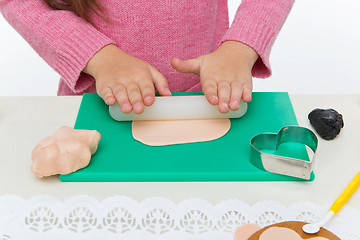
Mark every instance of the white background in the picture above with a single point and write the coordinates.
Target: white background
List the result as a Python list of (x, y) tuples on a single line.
[(317, 51)]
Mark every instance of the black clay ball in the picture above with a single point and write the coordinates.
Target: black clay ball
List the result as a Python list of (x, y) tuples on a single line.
[(327, 122)]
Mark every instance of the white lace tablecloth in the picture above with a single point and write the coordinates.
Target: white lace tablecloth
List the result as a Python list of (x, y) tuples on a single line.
[(120, 217)]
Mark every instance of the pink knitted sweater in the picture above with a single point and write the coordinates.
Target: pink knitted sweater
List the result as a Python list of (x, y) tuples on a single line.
[(152, 30)]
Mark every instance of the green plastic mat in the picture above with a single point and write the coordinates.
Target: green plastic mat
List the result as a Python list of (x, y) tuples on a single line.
[(121, 158)]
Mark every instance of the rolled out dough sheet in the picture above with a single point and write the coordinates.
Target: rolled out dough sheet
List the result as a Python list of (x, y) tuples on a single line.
[(169, 132), (281, 233)]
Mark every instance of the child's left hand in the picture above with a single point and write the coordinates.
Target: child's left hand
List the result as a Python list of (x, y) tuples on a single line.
[(225, 74)]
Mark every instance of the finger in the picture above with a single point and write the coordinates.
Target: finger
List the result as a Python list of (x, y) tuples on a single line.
[(209, 88), (122, 99), (247, 90), (236, 93), (135, 98), (107, 95), (187, 66), (224, 96), (147, 90), (160, 82)]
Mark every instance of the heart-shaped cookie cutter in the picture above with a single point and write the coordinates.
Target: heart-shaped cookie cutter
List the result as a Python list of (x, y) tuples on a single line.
[(280, 164)]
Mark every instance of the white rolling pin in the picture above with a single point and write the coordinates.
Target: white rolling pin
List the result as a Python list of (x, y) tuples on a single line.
[(178, 107)]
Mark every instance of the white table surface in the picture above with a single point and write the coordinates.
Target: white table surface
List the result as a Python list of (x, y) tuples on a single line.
[(24, 121)]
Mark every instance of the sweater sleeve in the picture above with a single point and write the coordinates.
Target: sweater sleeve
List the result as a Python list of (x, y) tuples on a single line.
[(257, 24), (64, 40)]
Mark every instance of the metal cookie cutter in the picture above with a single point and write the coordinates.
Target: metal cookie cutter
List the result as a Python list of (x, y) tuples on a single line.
[(279, 164)]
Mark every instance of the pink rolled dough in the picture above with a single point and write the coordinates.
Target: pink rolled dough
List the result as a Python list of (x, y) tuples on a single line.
[(168, 132), (64, 152), (282, 233), (246, 231)]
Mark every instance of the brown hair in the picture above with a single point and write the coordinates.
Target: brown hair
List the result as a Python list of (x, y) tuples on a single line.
[(79, 7)]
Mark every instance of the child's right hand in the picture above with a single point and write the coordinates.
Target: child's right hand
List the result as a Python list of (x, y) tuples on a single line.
[(125, 79)]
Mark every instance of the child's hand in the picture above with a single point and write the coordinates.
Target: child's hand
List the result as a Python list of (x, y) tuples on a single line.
[(225, 74), (125, 79)]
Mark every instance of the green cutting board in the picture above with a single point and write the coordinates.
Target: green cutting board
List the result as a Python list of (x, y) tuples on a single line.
[(121, 158)]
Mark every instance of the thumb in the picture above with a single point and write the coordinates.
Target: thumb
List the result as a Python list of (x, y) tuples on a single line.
[(93, 138), (187, 66)]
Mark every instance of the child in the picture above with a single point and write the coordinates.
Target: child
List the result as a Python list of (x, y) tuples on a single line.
[(124, 50)]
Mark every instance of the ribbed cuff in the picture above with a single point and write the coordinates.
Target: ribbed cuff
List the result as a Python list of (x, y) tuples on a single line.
[(257, 25), (78, 49), (65, 41), (258, 38)]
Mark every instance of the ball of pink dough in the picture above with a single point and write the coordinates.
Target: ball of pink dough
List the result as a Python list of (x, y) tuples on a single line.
[(68, 150)]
